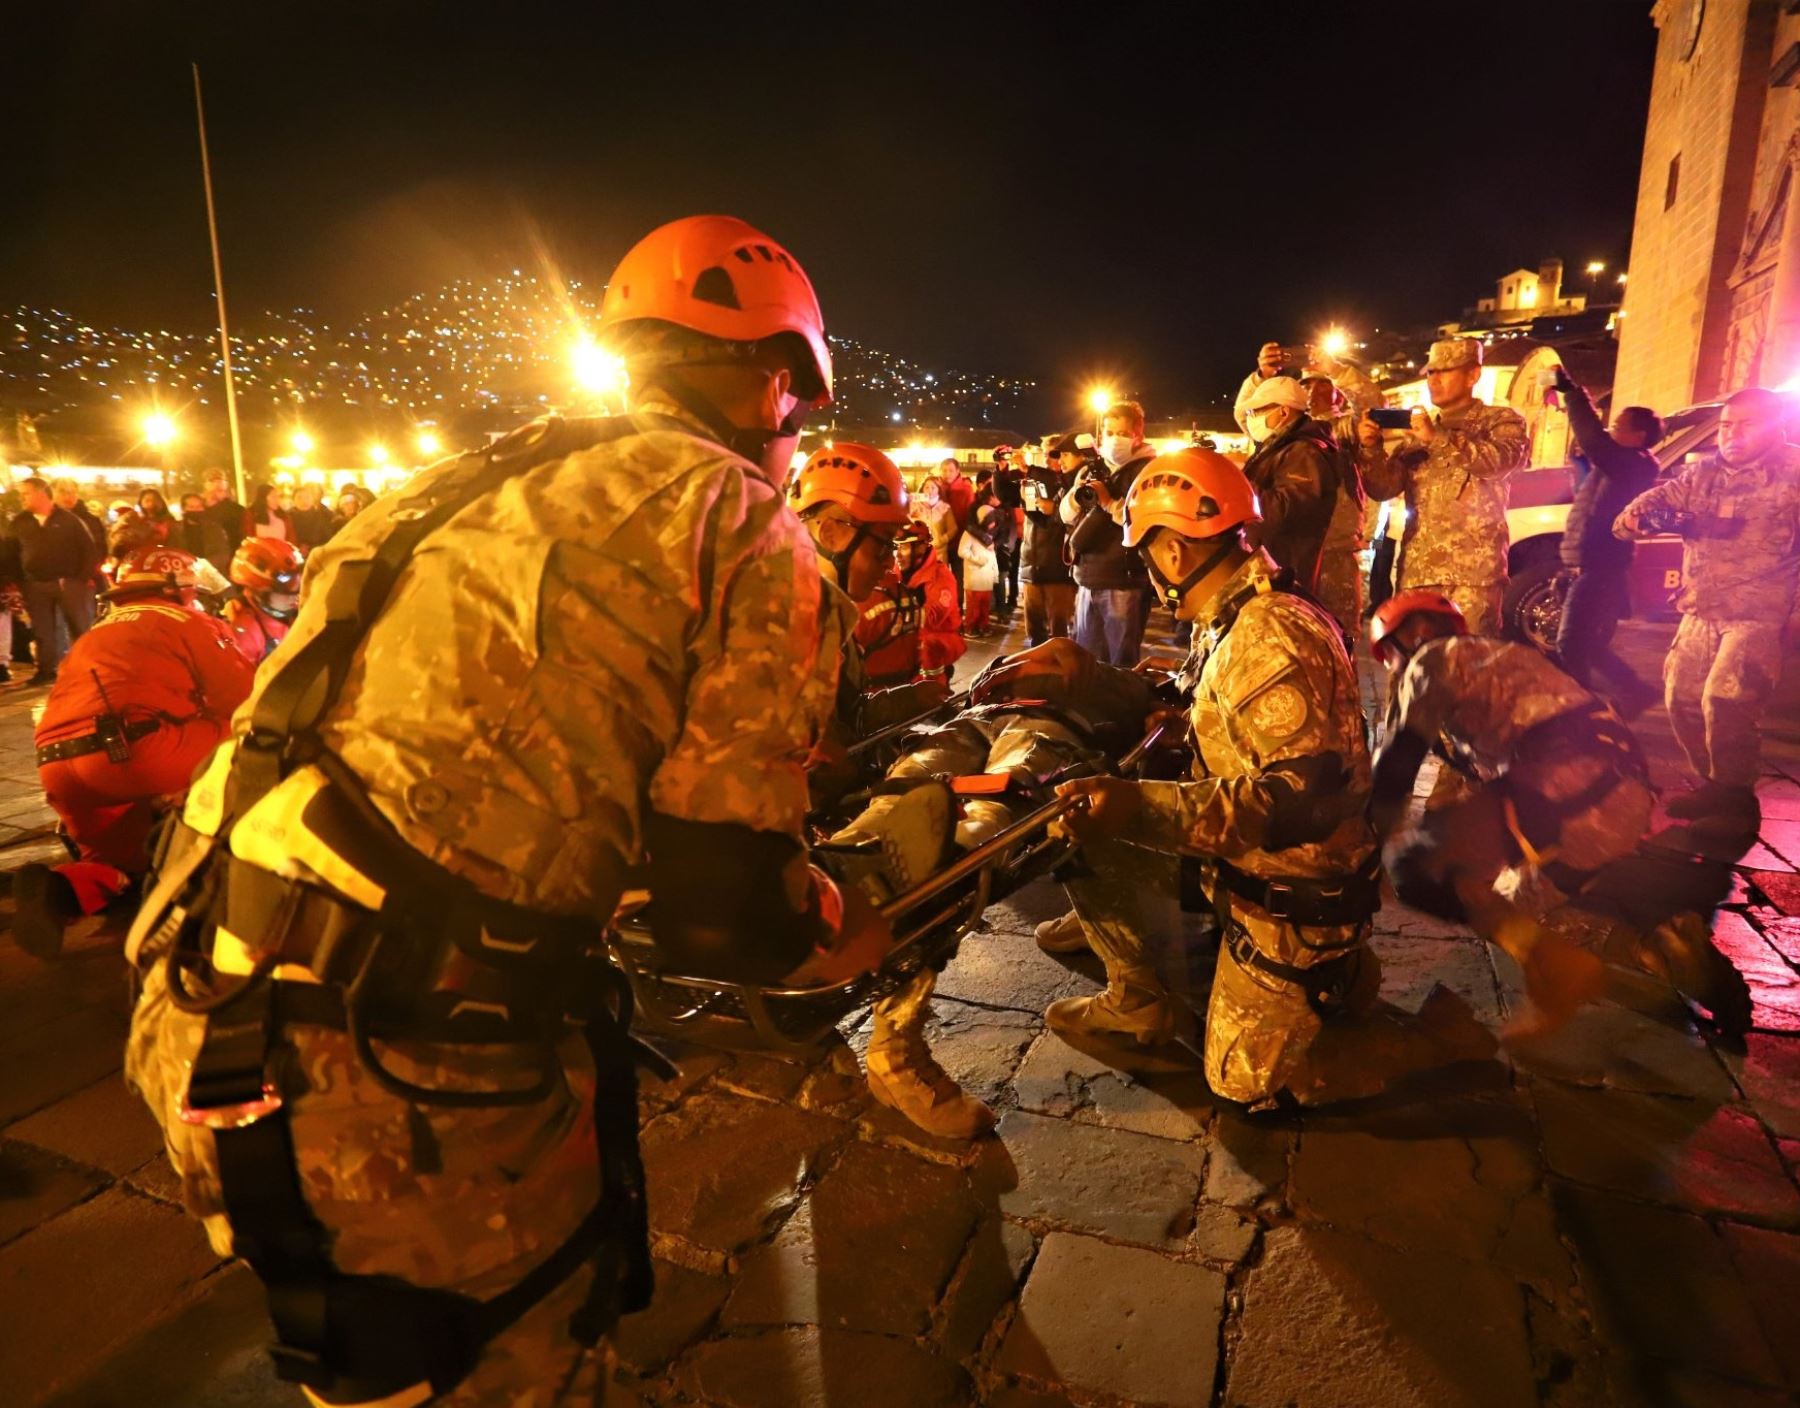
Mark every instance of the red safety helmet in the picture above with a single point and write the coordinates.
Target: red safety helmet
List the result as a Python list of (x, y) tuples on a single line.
[(859, 477), (1392, 614), (267, 565), (156, 572), (1196, 493), (718, 276)]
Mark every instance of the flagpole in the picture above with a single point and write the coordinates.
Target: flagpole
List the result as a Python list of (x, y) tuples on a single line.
[(212, 226)]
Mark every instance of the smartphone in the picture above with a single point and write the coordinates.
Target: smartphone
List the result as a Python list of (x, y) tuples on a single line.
[(1392, 417)]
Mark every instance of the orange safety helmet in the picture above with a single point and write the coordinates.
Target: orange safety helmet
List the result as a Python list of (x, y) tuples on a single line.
[(1196, 493), (1392, 614), (267, 565), (859, 477), (718, 276), (156, 572)]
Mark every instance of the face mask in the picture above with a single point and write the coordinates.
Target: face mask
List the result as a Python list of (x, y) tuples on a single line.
[(1116, 450), (1261, 430)]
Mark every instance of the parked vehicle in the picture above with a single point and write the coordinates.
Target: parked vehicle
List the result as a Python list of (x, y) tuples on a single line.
[(1538, 508)]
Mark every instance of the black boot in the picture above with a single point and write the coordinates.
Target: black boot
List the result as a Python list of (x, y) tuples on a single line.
[(43, 905)]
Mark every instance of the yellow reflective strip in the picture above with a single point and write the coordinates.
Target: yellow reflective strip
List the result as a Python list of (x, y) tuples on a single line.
[(205, 809), (405, 1398), (273, 836)]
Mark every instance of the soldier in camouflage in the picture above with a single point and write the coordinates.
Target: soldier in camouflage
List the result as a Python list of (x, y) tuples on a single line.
[(1739, 517), (1453, 470), (1540, 854), (1274, 812), (624, 647)]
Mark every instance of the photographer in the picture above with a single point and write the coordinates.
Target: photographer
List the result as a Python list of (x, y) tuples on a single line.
[(1271, 360), (1340, 392), (1049, 587), (1111, 597), (1295, 474)]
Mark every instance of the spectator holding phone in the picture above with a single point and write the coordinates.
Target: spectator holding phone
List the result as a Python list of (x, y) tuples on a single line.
[(1620, 467), (1111, 585)]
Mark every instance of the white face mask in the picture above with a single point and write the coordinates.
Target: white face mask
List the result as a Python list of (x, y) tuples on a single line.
[(1261, 430), (1117, 450)]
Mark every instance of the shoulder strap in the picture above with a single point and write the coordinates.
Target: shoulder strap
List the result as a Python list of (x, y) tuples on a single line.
[(308, 681)]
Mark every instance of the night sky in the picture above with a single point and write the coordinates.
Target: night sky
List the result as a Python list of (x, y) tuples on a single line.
[(1141, 191)]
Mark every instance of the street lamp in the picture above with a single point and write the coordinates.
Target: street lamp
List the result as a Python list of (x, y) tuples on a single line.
[(302, 443), (378, 455), (159, 434), (1100, 400), (1595, 268), (597, 371), (429, 444), (1335, 342)]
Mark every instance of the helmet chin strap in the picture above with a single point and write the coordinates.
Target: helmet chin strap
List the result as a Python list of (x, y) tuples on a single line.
[(751, 442), (840, 561), (1174, 592)]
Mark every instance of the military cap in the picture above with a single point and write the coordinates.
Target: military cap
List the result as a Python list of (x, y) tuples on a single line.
[(1454, 352)]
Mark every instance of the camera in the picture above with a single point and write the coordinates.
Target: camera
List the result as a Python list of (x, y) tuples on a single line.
[(1086, 494), (1392, 417)]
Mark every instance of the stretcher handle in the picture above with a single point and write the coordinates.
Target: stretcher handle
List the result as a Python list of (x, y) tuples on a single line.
[(952, 702), (996, 846)]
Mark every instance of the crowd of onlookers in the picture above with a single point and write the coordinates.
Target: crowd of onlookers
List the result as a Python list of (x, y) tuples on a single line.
[(58, 550)]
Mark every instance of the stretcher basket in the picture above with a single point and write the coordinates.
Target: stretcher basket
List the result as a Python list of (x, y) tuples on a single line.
[(930, 921)]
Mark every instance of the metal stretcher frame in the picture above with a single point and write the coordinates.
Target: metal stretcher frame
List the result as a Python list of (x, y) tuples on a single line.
[(795, 1020)]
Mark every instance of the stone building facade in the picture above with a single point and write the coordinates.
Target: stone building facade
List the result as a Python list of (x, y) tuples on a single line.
[(1713, 303)]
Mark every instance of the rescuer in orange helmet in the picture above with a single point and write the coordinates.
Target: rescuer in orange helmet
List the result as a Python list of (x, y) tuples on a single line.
[(1275, 805), (1539, 847), (909, 625), (142, 699), (598, 649), (268, 572)]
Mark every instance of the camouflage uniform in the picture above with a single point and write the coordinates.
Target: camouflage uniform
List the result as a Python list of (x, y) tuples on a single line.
[(1533, 795), (1456, 539), (1739, 565), (636, 626), (1341, 576), (1272, 683)]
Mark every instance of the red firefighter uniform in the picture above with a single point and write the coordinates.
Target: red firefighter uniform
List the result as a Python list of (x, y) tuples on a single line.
[(910, 625), (254, 630), (162, 679)]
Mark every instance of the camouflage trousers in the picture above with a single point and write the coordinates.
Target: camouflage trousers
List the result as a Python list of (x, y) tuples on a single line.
[(1717, 678), (1481, 606), (1262, 1035), (469, 1200)]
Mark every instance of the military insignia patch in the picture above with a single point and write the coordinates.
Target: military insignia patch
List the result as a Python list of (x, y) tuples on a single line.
[(1279, 712)]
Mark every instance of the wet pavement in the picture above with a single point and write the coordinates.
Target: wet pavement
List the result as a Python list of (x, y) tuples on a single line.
[(1608, 1215)]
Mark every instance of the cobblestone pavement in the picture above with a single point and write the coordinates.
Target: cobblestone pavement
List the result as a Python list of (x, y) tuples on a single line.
[(1610, 1216)]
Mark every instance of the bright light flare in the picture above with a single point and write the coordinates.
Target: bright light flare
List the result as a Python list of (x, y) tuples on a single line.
[(429, 444), (159, 430), (303, 444), (378, 454), (1335, 342), (1596, 266), (1100, 399), (596, 370)]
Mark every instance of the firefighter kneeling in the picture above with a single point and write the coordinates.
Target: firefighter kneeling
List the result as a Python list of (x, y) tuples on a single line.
[(142, 699), (1274, 809)]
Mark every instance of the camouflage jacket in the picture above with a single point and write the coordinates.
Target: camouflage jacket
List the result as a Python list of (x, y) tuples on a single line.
[(1271, 682), (637, 626), (1455, 495), (1740, 557)]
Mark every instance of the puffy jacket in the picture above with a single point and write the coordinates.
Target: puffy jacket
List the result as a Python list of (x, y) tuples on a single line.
[(1041, 560), (1097, 539), (57, 547), (1295, 476)]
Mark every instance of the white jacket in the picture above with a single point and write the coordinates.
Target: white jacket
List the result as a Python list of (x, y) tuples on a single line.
[(979, 565)]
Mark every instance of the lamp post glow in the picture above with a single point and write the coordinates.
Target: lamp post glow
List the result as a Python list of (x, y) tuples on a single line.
[(597, 371), (159, 430), (1335, 342), (1100, 400), (1595, 268), (378, 455), (301, 442), (429, 444)]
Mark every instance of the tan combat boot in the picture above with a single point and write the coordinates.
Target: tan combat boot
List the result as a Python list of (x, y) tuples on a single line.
[(1134, 1005), (1063, 935), (905, 1077)]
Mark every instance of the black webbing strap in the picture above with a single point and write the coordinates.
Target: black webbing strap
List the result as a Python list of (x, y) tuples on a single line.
[(1306, 900), (1325, 983)]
